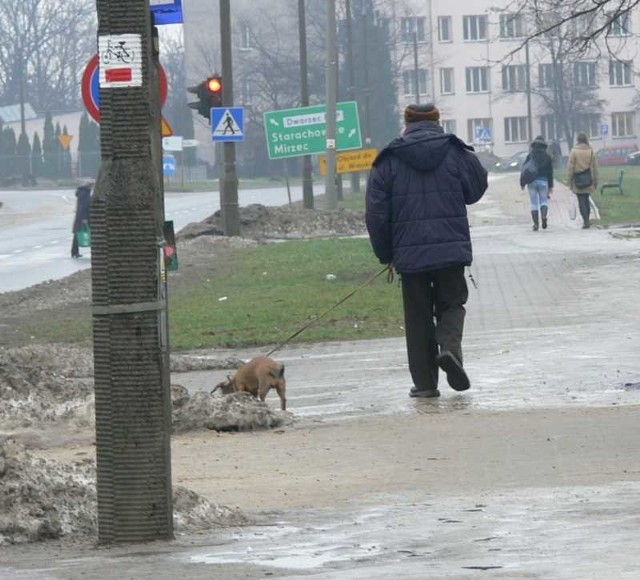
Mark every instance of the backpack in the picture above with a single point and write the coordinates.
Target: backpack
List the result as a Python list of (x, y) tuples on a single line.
[(529, 171)]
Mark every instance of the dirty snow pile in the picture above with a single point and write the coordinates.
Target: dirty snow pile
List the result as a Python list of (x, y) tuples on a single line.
[(287, 222), (42, 499), (233, 412), (41, 385), (33, 392)]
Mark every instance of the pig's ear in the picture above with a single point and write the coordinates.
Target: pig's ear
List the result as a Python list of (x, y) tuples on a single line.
[(230, 378)]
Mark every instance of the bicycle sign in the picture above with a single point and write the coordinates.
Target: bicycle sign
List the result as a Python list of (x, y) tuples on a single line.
[(120, 60), (91, 88)]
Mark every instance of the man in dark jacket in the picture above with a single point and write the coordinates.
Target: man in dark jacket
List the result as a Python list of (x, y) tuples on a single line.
[(418, 190)]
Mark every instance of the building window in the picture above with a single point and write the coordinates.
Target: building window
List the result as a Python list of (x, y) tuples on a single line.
[(475, 27), (515, 129), (247, 91), (623, 124), (546, 77), (584, 74), (246, 41), (446, 81), (409, 81), (448, 126), (411, 26), (477, 78), (620, 73), (548, 127), (620, 25), (514, 77), (444, 29), (479, 127), (588, 124), (582, 25), (511, 26)]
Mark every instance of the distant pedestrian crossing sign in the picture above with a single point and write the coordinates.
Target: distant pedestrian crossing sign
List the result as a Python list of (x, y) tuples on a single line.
[(483, 134), (227, 123)]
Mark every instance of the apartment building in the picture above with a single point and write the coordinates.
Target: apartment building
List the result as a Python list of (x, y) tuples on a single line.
[(497, 91), (470, 57)]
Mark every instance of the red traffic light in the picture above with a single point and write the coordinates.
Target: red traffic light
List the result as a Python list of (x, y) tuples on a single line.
[(214, 85)]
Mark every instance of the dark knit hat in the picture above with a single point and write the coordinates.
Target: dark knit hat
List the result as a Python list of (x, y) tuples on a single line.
[(427, 112)]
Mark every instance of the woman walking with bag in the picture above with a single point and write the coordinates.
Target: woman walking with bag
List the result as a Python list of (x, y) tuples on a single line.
[(537, 175), (582, 173)]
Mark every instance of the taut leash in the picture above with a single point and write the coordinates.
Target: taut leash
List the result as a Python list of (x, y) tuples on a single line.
[(312, 322)]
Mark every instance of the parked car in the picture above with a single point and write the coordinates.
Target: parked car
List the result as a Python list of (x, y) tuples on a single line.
[(513, 163), (633, 158), (615, 155)]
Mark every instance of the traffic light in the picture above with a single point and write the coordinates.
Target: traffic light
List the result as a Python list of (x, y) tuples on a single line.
[(202, 104), (209, 95), (214, 88)]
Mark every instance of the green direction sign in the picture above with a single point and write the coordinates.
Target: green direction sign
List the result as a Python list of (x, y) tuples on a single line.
[(303, 131)]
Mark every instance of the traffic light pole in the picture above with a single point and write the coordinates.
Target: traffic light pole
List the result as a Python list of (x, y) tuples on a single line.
[(229, 181), (331, 82), (307, 170), (130, 344)]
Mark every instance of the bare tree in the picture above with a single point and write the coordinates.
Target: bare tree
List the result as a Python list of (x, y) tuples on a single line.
[(45, 45)]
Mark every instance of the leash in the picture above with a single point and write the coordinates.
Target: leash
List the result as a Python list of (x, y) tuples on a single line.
[(312, 322)]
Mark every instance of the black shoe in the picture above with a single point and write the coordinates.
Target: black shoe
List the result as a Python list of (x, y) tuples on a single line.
[(424, 393), (544, 223), (456, 377)]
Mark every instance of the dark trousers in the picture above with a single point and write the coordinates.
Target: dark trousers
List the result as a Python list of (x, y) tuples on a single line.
[(434, 320), (585, 206), (75, 250)]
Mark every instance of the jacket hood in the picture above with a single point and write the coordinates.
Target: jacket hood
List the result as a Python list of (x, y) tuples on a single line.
[(423, 146), (538, 145)]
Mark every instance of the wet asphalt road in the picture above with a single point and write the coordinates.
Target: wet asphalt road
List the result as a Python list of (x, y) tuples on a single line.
[(552, 325)]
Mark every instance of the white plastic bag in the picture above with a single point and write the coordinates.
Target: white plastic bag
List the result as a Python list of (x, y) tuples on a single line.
[(573, 207)]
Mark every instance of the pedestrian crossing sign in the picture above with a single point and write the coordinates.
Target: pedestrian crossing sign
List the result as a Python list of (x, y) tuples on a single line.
[(227, 124)]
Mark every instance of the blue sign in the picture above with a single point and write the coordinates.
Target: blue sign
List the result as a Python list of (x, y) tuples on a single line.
[(227, 123), (483, 134), (604, 129), (168, 165), (167, 11)]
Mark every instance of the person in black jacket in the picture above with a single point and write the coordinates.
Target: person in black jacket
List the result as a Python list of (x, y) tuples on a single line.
[(416, 215), (83, 206), (541, 187)]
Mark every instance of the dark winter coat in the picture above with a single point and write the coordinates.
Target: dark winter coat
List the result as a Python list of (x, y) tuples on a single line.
[(418, 190), (543, 161), (83, 206)]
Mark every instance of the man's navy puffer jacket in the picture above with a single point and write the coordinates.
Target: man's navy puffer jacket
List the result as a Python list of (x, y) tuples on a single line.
[(418, 190)]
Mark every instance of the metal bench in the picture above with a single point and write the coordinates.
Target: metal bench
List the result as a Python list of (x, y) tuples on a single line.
[(614, 184)]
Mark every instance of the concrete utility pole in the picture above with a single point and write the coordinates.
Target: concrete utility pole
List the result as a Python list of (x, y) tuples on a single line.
[(132, 388), (307, 179), (229, 182), (355, 177), (332, 82)]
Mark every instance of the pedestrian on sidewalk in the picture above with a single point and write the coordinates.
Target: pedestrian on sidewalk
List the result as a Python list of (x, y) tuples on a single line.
[(83, 206), (416, 215), (540, 186), (582, 174)]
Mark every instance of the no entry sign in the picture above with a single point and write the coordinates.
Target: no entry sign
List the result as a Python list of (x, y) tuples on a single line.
[(91, 87)]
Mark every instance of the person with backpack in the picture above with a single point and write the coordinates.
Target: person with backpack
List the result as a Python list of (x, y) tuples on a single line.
[(537, 175), (582, 174)]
